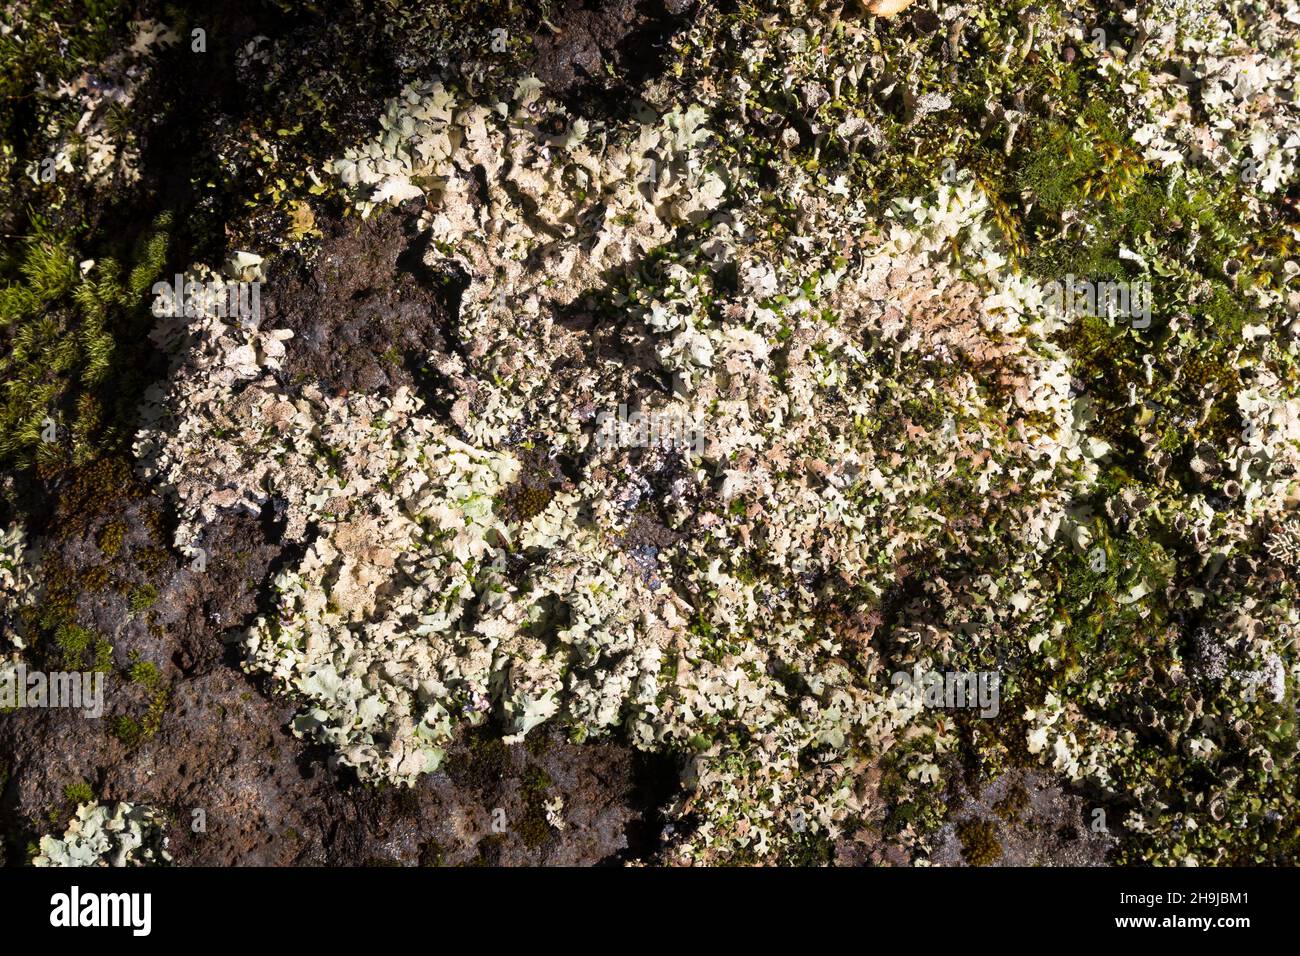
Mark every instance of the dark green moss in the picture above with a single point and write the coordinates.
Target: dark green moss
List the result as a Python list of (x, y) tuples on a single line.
[(111, 537), (537, 743), (809, 849), (96, 578), (489, 850), (128, 730), (533, 829), (132, 731), (431, 853), (152, 561), (979, 841), (533, 490), (143, 597), (1013, 804), (480, 764)]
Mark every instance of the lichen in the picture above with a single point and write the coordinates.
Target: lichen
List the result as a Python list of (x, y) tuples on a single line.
[(101, 834), (825, 243)]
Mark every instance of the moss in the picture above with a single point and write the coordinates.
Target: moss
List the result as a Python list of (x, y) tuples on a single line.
[(96, 578), (480, 765), (93, 490), (80, 648), (809, 849), (103, 657), (533, 829), (143, 597), (979, 841), (132, 731), (56, 44), (489, 850), (128, 730), (431, 853), (533, 490), (74, 641), (1013, 804), (110, 538), (78, 793), (146, 674), (151, 561), (923, 809), (537, 744), (67, 394)]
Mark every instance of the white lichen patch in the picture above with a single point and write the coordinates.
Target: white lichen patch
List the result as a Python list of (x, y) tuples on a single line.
[(418, 606), (120, 834), (18, 578), (895, 444), (1215, 90), (90, 146)]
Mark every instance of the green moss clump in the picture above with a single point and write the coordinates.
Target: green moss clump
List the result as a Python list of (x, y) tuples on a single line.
[(1016, 802), (132, 731), (481, 766), (111, 537), (74, 794), (67, 392), (146, 674), (78, 793), (431, 853), (128, 730), (532, 501), (73, 641), (979, 841), (143, 598), (534, 829), (534, 488), (79, 648)]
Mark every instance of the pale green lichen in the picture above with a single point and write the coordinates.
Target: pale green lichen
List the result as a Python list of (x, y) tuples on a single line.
[(826, 242), (119, 834)]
